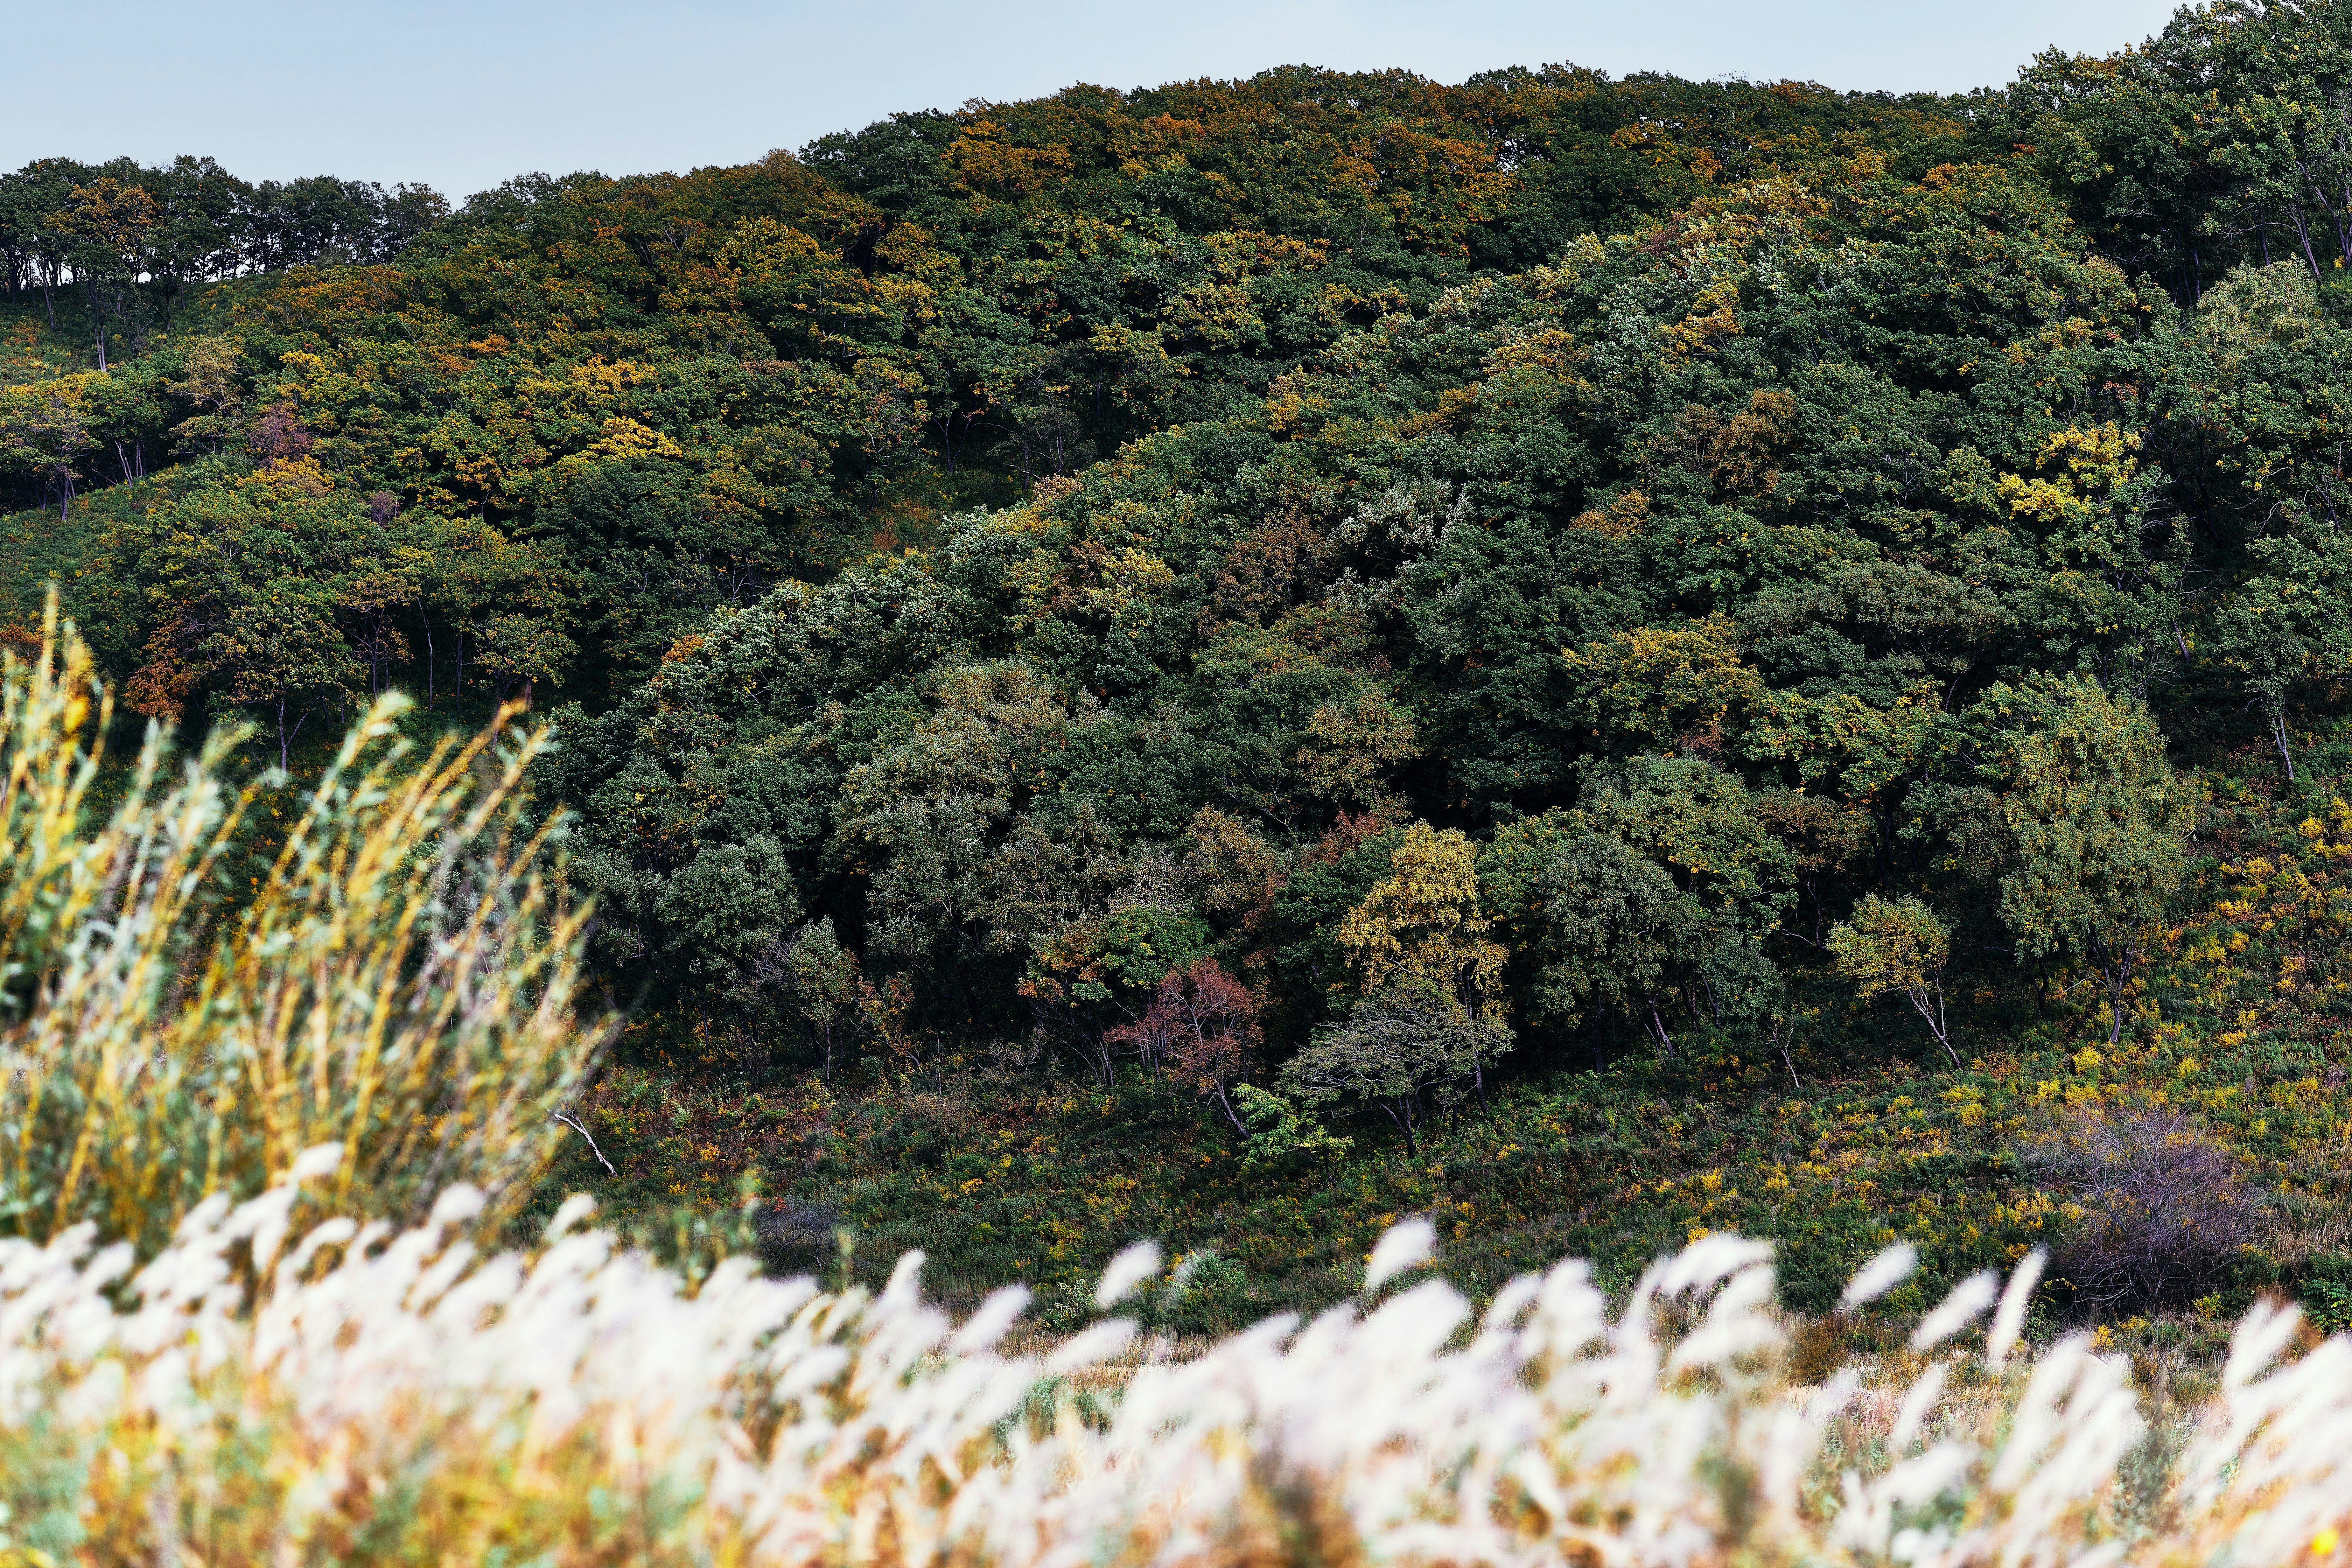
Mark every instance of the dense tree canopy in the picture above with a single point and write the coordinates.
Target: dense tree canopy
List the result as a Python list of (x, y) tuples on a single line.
[(1544, 550)]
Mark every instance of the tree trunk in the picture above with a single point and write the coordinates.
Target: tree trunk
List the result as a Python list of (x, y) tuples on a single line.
[(2117, 972), (1781, 1043), (2302, 232), (1934, 1016), (1402, 1124)]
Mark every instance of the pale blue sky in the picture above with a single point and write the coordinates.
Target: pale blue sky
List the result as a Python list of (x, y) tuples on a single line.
[(464, 93)]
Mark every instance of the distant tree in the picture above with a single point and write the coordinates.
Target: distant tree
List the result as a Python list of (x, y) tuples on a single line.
[(1403, 1052), (1647, 689), (1350, 745), (818, 980), (44, 431), (195, 234), (2096, 822), (930, 814), (2289, 622), (1231, 869), (1897, 945), (1614, 929), (2286, 621), (726, 905), (1422, 926), (113, 223), (245, 592), (125, 410), (212, 385), (1203, 1027), (404, 214), (277, 648), (1705, 829), (30, 200), (507, 605)]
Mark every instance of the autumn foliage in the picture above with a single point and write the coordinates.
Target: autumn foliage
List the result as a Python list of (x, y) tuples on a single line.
[(1202, 1028)]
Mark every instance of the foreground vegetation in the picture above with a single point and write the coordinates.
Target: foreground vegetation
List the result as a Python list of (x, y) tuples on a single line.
[(260, 1393)]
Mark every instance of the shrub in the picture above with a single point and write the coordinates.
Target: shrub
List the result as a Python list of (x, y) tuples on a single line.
[(2327, 1293), (1615, 926), (399, 983), (2165, 1210), (1280, 1135), (795, 1237)]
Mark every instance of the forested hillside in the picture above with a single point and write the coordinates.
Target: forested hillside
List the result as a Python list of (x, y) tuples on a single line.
[(1601, 659)]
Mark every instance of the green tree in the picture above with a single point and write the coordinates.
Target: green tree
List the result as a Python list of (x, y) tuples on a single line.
[(1608, 926), (1897, 945), (245, 589), (113, 223), (212, 385), (2289, 621), (277, 648), (1280, 1135), (721, 910), (1403, 1052), (44, 431), (1705, 829), (818, 980), (2095, 821), (927, 817), (2259, 389)]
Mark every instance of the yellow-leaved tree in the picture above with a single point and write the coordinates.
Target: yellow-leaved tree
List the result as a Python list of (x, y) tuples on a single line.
[(1420, 927)]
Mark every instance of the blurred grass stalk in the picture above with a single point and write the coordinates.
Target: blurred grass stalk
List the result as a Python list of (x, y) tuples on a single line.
[(394, 1397), (400, 982)]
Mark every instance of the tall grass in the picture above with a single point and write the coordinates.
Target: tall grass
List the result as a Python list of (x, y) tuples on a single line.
[(399, 983), (385, 1396)]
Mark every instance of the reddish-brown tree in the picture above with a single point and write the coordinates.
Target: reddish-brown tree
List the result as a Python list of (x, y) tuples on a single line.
[(1202, 1027)]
